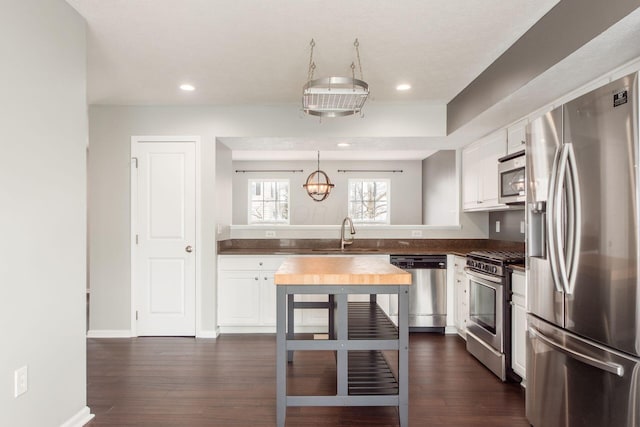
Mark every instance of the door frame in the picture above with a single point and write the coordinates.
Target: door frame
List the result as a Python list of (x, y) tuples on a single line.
[(133, 215)]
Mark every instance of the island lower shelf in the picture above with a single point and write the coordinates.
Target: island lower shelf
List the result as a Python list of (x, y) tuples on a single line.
[(369, 372)]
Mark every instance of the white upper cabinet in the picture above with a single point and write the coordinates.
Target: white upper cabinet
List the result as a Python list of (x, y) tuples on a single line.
[(480, 172), (516, 136)]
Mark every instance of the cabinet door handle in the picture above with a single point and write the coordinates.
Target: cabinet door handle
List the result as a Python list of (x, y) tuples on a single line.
[(255, 278)]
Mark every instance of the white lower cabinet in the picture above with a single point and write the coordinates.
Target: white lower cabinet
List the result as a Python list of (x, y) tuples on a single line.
[(247, 297), (519, 324), (461, 291), (246, 293), (267, 298), (239, 298)]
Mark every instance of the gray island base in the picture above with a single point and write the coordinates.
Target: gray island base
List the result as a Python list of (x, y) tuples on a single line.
[(359, 332)]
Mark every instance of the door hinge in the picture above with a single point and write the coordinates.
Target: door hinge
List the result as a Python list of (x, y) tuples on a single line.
[(135, 159), (136, 239), (136, 314)]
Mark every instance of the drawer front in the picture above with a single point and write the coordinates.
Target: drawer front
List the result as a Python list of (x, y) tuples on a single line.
[(245, 262)]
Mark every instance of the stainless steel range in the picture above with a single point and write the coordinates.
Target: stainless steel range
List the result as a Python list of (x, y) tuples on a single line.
[(489, 327)]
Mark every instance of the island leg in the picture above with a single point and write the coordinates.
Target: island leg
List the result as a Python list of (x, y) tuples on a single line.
[(403, 355), (281, 355)]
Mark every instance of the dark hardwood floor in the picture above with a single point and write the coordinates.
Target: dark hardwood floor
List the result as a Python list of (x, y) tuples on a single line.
[(231, 381)]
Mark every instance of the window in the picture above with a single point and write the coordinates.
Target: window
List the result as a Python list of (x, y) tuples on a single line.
[(269, 201), (369, 200)]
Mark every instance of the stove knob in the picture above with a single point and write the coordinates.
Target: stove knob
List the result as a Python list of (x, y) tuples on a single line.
[(494, 269)]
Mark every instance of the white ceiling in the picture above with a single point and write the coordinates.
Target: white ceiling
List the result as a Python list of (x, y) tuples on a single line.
[(306, 149), (257, 52)]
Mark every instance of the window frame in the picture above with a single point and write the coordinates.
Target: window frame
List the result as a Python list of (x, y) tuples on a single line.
[(250, 220), (387, 181)]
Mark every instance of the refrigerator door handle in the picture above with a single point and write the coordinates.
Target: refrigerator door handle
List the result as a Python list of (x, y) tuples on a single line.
[(559, 224), (554, 217), (610, 367), (564, 261), (574, 221)]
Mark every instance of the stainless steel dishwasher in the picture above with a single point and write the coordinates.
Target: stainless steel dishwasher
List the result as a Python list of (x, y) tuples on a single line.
[(427, 293)]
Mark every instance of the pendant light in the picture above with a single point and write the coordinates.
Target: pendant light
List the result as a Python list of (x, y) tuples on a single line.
[(318, 185), (334, 96)]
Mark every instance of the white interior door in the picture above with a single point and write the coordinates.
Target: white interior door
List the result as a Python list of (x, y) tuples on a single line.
[(164, 270)]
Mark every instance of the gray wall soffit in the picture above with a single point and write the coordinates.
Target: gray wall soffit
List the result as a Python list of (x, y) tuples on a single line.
[(564, 29)]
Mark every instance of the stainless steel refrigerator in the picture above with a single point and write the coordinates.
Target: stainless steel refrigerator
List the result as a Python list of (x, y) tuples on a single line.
[(583, 340)]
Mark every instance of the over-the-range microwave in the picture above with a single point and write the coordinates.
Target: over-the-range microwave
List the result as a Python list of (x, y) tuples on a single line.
[(511, 178)]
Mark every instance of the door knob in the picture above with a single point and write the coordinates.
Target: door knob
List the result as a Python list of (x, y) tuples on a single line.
[(189, 249)]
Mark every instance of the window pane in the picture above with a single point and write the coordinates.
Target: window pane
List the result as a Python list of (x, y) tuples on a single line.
[(268, 201), (368, 200), (256, 211)]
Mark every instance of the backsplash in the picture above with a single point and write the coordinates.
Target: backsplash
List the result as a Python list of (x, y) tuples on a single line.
[(511, 225)]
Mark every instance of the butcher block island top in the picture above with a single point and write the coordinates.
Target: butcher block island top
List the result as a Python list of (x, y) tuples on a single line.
[(325, 270)]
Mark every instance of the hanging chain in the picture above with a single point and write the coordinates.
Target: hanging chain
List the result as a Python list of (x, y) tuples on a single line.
[(357, 45), (312, 65), (353, 77)]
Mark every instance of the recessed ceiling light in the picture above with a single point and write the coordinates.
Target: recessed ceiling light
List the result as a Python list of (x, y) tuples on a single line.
[(403, 87), (343, 144), (187, 87)]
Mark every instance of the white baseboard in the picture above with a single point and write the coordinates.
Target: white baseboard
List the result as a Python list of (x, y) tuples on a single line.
[(450, 330), (78, 420), (208, 334), (314, 329), (248, 329), (109, 333)]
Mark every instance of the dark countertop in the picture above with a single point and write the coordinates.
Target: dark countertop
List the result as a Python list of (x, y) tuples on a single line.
[(458, 247), (518, 267)]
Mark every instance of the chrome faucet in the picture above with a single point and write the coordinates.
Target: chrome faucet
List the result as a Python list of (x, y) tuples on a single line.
[(343, 240)]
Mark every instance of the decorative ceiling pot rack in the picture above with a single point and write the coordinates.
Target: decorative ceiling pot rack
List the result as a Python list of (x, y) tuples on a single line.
[(334, 96)]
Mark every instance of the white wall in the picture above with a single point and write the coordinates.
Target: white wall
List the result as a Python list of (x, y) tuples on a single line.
[(110, 131), (43, 123), (440, 192), (404, 195), (111, 128), (224, 185)]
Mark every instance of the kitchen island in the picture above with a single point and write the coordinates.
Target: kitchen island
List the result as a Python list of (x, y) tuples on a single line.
[(360, 333)]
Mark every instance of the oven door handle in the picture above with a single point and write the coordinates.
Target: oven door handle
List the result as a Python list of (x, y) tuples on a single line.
[(493, 280)]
